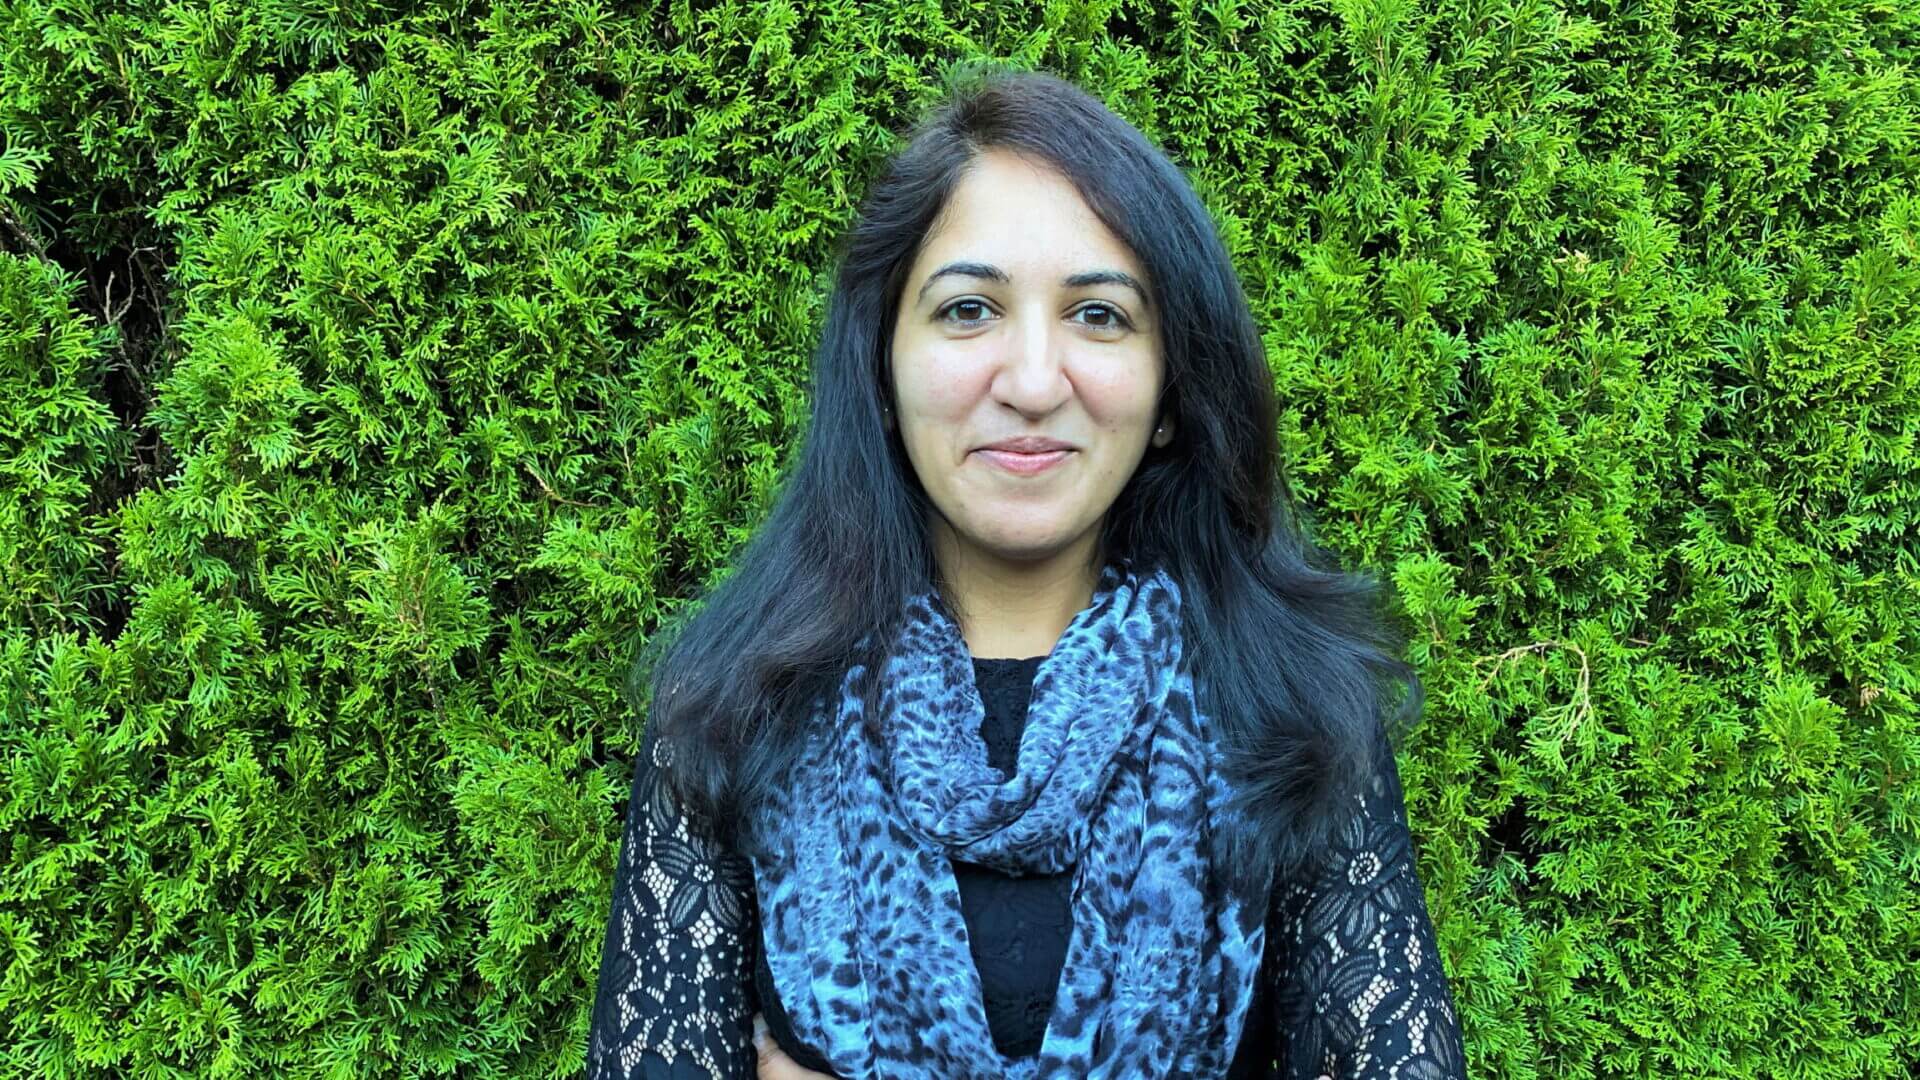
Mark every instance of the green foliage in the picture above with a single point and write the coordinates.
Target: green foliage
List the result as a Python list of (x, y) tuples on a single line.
[(371, 380)]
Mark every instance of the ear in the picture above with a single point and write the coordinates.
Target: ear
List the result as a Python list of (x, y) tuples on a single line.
[(887, 419), (1163, 432)]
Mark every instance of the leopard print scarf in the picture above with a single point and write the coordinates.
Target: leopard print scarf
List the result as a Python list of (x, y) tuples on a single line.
[(1115, 779)]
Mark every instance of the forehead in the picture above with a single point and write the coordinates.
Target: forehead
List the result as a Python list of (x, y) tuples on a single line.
[(1012, 211)]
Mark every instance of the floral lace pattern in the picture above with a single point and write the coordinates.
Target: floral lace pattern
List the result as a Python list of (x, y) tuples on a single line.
[(1365, 993), (673, 999)]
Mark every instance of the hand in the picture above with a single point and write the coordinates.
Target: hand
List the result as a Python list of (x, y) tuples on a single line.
[(774, 1062)]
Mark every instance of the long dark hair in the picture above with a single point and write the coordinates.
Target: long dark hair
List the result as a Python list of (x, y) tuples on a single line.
[(1292, 660)]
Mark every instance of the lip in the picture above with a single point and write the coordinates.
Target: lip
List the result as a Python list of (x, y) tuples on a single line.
[(1023, 464), (1028, 444)]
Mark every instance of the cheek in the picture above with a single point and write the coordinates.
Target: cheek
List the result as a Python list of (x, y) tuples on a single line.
[(941, 386), (1118, 398)]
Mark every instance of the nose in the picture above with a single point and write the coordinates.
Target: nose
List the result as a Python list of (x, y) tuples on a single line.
[(1033, 371)]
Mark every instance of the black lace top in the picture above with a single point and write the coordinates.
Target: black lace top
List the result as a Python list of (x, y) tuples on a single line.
[(1353, 986)]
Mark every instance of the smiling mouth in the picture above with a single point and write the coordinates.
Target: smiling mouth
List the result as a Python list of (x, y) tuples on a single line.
[(1024, 464)]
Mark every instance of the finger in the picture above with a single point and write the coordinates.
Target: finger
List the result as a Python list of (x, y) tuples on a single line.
[(770, 1063), (774, 1064)]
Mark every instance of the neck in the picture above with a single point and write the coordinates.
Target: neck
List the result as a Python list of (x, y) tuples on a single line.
[(1015, 607)]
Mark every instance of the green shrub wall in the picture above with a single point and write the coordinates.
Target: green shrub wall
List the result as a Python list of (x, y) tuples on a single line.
[(371, 376)]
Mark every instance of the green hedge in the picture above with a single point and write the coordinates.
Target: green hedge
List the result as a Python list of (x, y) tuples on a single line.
[(371, 379)]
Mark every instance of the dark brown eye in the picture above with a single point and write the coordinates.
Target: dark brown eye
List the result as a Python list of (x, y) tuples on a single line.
[(957, 305), (1112, 319)]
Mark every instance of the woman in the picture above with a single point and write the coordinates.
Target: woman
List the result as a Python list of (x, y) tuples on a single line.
[(1027, 736)]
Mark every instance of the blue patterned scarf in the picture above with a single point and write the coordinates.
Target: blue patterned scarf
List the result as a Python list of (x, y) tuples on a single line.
[(1115, 779)]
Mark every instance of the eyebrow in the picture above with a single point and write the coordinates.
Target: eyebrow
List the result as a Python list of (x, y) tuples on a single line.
[(1071, 281)]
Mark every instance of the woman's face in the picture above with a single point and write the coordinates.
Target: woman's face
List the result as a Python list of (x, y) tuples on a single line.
[(1023, 316)]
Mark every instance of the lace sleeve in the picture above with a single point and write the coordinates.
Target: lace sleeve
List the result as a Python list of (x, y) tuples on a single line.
[(675, 993), (1362, 993)]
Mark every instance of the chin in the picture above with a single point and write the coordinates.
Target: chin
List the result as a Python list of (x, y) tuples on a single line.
[(1024, 546)]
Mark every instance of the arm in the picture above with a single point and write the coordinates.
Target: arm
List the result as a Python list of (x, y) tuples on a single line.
[(1360, 992), (675, 994)]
